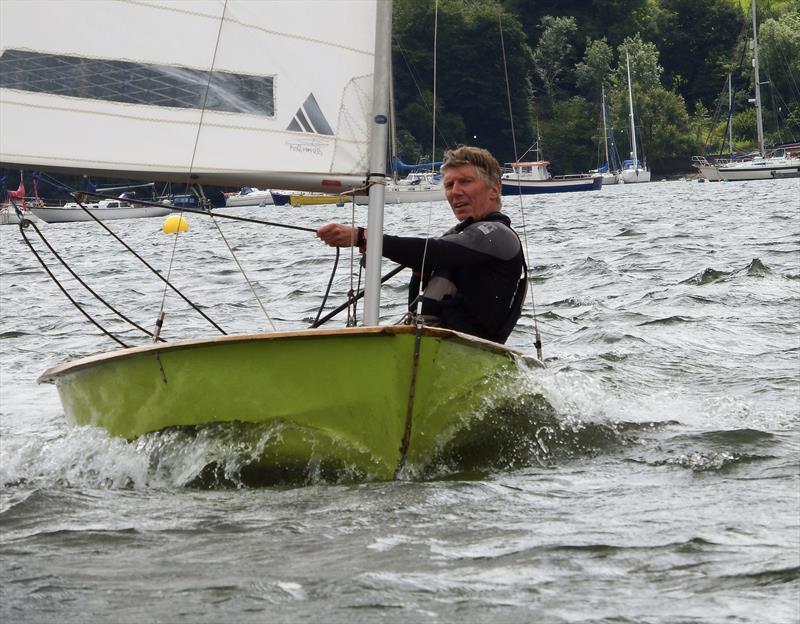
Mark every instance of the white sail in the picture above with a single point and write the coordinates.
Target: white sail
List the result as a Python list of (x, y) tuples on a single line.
[(274, 93)]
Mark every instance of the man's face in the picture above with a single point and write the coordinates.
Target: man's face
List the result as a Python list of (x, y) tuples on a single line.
[(467, 193)]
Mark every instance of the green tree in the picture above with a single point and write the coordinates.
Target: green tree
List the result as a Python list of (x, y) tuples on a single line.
[(645, 69), (594, 71), (662, 123), (595, 19), (696, 39), (472, 102), (553, 57), (779, 60), (663, 126), (744, 128), (568, 136)]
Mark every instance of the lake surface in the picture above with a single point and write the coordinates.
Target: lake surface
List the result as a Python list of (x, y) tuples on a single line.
[(666, 490)]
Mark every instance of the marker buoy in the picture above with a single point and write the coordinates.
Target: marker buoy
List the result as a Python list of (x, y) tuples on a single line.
[(174, 224)]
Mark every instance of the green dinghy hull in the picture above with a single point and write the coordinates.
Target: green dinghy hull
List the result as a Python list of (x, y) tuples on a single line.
[(345, 397)]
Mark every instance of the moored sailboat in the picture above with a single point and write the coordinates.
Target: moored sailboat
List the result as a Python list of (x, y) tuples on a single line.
[(15, 206), (609, 170), (105, 210), (416, 187), (633, 170), (248, 196), (372, 399), (780, 162)]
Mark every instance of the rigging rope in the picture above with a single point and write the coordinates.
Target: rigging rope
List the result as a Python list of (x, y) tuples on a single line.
[(418, 314), (352, 318), (316, 322), (26, 223), (191, 169), (537, 336), (356, 297), (351, 300), (241, 269), (79, 200)]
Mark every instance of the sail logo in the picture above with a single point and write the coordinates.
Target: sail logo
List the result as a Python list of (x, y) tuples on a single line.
[(309, 118)]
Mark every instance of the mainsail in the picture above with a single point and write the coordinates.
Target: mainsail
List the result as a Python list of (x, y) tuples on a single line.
[(222, 92)]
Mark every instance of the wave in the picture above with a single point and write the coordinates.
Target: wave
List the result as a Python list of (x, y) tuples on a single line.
[(670, 320), (573, 302), (509, 432), (13, 334), (715, 451), (778, 576), (706, 276), (592, 266), (755, 268)]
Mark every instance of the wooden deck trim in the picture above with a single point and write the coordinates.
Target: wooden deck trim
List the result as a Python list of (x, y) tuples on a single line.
[(52, 373)]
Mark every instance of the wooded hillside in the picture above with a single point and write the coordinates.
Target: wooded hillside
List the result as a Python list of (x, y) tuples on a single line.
[(559, 54)]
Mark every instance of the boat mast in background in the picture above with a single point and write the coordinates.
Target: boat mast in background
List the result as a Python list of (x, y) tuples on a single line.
[(759, 120), (605, 129), (633, 171), (730, 114), (633, 123), (780, 162)]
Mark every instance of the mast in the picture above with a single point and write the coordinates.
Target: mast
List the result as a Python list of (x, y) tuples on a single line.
[(759, 121), (605, 130), (730, 116), (393, 142), (630, 102), (377, 162)]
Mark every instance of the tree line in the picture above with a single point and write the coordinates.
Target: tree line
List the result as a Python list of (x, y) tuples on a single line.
[(516, 73)]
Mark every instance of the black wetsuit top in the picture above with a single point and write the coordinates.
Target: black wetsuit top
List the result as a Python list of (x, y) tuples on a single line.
[(473, 280)]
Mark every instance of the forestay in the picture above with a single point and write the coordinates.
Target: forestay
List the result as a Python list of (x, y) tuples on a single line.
[(272, 93)]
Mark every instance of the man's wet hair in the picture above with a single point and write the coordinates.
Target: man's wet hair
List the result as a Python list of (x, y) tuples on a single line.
[(483, 161)]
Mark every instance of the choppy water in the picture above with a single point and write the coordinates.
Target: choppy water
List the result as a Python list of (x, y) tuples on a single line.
[(666, 489)]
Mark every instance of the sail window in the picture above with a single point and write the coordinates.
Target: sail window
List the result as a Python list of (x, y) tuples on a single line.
[(137, 83)]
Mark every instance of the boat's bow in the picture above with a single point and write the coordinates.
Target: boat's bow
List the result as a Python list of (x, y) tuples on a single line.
[(351, 397)]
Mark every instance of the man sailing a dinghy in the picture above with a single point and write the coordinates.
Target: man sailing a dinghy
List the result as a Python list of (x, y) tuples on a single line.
[(474, 276)]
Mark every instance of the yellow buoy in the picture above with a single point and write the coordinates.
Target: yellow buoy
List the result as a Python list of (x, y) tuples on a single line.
[(174, 224)]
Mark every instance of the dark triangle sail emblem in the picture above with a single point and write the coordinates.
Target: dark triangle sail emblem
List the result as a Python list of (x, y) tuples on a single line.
[(309, 118)]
